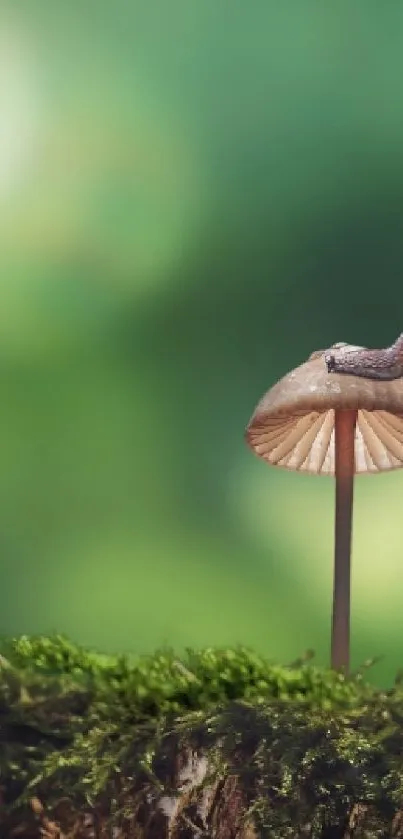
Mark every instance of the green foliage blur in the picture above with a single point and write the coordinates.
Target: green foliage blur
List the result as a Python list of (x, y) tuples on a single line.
[(192, 200)]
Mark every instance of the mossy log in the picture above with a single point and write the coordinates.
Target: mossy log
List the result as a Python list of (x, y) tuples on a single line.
[(218, 745)]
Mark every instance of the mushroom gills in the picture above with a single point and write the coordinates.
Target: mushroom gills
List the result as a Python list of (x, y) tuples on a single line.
[(306, 442)]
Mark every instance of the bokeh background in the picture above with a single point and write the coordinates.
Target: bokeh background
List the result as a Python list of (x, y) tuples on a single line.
[(193, 197)]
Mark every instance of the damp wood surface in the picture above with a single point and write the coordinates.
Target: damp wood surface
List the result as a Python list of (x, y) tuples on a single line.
[(215, 744)]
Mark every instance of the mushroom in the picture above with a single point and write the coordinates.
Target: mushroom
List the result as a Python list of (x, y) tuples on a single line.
[(339, 413)]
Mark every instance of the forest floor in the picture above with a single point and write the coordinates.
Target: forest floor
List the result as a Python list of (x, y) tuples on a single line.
[(219, 744)]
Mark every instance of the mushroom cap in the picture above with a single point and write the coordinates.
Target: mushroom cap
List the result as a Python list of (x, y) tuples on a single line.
[(293, 424)]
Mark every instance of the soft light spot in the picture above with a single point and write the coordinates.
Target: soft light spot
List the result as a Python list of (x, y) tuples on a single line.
[(297, 513), (19, 109)]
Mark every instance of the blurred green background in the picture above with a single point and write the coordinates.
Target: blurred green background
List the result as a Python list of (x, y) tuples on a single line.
[(193, 197)]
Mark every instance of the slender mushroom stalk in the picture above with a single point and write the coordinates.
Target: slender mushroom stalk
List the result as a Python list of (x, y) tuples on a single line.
[(385, 365), (344, 427), (339, 413)]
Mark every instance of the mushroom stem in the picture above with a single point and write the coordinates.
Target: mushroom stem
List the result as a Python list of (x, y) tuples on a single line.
[(345, 421)]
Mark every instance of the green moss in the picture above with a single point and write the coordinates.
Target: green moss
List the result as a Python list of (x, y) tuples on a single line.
[(108, 730), (162, 682)]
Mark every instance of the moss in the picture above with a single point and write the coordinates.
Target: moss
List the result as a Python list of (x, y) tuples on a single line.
[(267, 750)]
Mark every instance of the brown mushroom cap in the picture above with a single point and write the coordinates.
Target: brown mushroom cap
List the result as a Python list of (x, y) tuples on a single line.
[(293, 425)]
